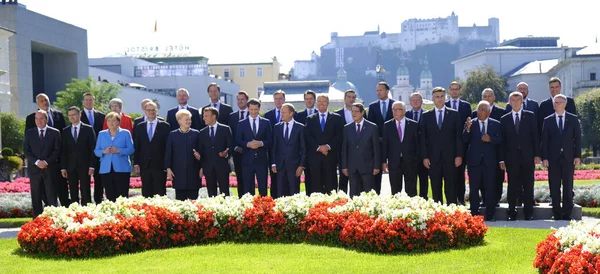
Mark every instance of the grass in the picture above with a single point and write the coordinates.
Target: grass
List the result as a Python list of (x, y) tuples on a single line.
[(13, 222), (591, 211), (575, 182), (506, 250)]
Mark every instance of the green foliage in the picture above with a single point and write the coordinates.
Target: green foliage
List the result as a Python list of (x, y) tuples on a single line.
[(73, 94), (481, 78), (7, 151), (134, 115), (588, 108), (11, 163), (13, 132)]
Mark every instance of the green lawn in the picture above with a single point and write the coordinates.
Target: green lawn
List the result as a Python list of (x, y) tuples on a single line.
[(506, 250), (13, 222)]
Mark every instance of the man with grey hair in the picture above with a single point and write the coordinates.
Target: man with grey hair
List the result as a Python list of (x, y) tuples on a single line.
[(415, 113), (561, 151), (144, 118), (482, 141), (547, 106)]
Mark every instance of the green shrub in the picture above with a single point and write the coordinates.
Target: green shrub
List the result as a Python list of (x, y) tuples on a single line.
[(11, 163), (7, 151)]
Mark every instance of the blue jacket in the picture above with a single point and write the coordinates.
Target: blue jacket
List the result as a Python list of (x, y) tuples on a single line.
[(120, 161)]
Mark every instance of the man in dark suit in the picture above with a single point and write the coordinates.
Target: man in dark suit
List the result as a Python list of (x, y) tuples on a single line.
[(78, 161), (379, 112), (95, 119), (547, 106), (561, 151), (150, 142), (215, 142), (274, 117), (214, 93), (400, 150), (520, 154), (323, 139), (254, 136), (496, 113), (361, 154), (482, 140), (415, 113), (310, 97), (442, 146), (56, 120), (464, 110), (42, 149), (144, 118), (288, 152), (234, 119), (182, 98), (346, 114)]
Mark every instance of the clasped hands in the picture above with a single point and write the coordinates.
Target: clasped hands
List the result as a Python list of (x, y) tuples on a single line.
[(324, 149), (254, 144), (486, 138), (110, 150)]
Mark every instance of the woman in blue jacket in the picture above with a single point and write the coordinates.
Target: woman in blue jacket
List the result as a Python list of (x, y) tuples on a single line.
[(114, 146)]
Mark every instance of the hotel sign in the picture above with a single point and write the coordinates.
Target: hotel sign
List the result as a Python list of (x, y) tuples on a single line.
[(158, 51)]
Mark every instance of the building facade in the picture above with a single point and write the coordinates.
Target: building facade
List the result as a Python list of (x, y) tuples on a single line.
[(578, 69), (249, 76), (5, 96)]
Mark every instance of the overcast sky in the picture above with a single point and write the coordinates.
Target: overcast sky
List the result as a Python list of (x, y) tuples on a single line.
[(254, 31)]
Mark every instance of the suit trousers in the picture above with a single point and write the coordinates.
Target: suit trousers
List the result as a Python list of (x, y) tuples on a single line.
[(216, 179), (41, 184), (308, 181), (520, 177), (154, 181), (79, 178), (116, 184), (186, 194), (423, 174), (273, 186), (498, 186), (61, 185), (459, 183), (324, 176), (237, 165), (561, 171), (409, 174), (447, 171), (258, 171), (360, 182), (343, 181), (98, 186), (482, 177), (289, 184)]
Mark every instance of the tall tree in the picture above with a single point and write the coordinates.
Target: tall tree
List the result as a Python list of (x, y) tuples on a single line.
[(588, 108), (480, 78), (73, 94), (13, 130)]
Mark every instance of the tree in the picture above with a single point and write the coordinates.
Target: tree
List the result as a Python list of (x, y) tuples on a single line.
[(588, 108), (480, 78), (73, 94), (13, 132)]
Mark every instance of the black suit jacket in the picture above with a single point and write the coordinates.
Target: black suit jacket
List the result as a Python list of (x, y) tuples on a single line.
[(341, 113), (150, 154), (315, 137), (419, 118), (532, 105), (57, 118), (301, 116), (496, 114), (464, 109), (142, 119), (441, 144), (557, 145), (210, 148), (196, 120), (479, 151), (547, 109), (288, 153), (80, 154), (271, 115), (244, 135), (519, 147), (392, 148), (377, 117), (234, 120), (224, 111), (98, 120), (362, 152), (48, 151)]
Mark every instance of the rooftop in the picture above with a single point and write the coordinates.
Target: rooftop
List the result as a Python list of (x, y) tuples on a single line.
[(593, 49), (507, 48), (534, 67)]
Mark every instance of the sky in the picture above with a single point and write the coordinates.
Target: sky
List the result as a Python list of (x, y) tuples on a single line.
[(236, 31)]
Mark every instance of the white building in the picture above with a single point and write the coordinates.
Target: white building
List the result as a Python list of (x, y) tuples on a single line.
[(403, 89), (45, 54), (5, 96), (578, 69), (535, 74), (306, 69)]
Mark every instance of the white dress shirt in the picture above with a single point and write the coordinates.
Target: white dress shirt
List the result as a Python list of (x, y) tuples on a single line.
[(154, 123), (437, 113), (347, 115), (184, 107), (45, 129), (564, 116), (215, 126), (487, 124), (78, 126), (514, 113)]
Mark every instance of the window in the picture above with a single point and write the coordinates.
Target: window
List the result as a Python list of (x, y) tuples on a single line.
[(242, 72), (226, 73), (258, 72), (592, 76)]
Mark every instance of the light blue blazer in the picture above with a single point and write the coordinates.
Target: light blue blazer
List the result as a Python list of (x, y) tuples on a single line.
[(120, 161)]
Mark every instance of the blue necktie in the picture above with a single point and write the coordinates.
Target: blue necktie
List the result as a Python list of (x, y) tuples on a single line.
[(278, 116), (212, 133), (383, 110), (322, 122), (440, 119), (560, 123), (150, 131), (455, 107), (50, 120), (91, 117)]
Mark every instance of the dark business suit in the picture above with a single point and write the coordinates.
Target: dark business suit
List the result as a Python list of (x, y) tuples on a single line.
[(196, 120), (142, 119), (402, 156), (375, 116), (77, 157), (301, 117), (361, 154), (496, 114), (441, 147), (98, 120), (423, 172), (224, 111), (149, 155), (271, 115), (255, 162), (234, 119), (464, 109), (519, 148), (482, 161), (287, 154), (547, 109), (561, 149), (42, 180), (343, 180), (323, 167), (216, 168)]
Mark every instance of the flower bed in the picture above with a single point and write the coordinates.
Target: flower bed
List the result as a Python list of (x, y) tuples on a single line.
[(368, 222), (571, 249), (542, 175)]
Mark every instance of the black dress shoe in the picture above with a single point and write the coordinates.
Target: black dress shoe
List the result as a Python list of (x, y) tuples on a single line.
[(512, 217), (490, 219), (528, 218), (567, 218), (498, 205)]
